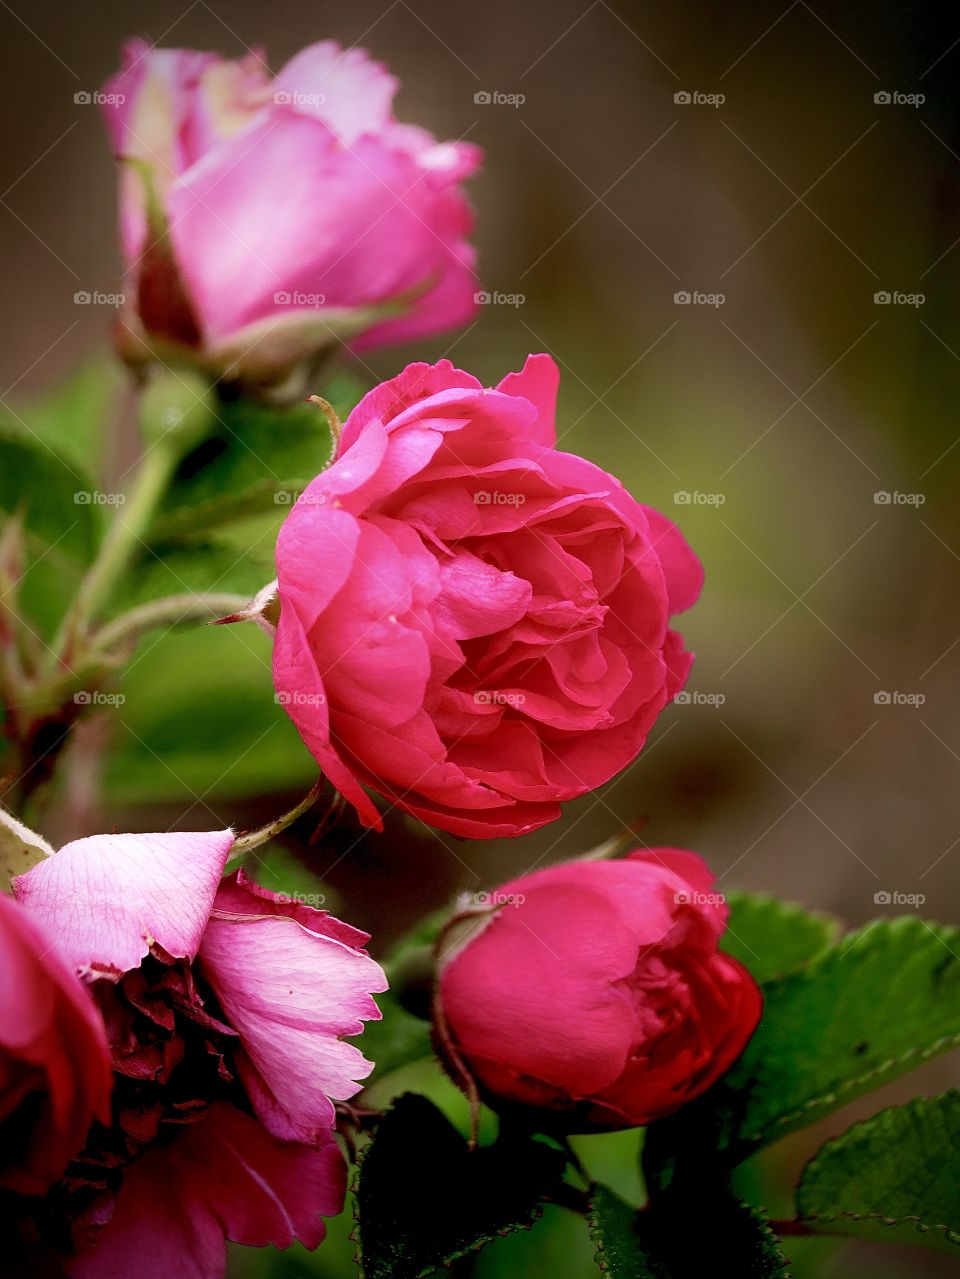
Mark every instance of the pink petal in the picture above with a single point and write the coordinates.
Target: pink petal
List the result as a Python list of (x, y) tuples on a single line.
[(682, 569), (345, 88), (54, 1058), (222, 1178), (356, 226), (417, 382), (303, 696), (538, 381), (109, 898), (291, 994), (239, 894)]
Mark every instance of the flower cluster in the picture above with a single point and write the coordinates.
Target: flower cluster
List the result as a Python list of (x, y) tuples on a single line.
[(217, 1011), (467, 621)]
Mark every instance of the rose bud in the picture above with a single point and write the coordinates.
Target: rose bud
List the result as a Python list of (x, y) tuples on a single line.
[(262, 219), (227, 1008), (472, 623), (595, 990), (55, 1072)]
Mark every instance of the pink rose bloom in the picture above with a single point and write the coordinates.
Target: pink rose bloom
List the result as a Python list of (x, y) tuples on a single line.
[(473, 623), (596, 990), (226, 1008), (55, 1072), (299, 209)]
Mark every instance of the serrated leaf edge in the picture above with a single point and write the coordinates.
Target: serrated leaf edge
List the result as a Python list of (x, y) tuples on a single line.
[(862, 1083)]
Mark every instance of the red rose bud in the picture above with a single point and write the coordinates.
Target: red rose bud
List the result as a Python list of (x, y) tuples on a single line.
[(596, 989)]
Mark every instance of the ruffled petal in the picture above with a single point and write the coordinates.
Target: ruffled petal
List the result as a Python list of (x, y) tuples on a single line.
[(109, 898), (224, 1178), (291, 993)]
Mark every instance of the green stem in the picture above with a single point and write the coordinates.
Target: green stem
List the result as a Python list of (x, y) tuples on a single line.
[(251, 839), (163, 612), (176, 410), (124, 537)]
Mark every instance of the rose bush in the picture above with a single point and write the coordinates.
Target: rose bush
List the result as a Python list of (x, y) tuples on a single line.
[(225, 1007), (298, 208), (596, 990), (473, 623)]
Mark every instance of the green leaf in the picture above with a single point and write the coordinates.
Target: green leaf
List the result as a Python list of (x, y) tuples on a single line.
[(893, 1177), (75, 417), (49, 447), (199, 567), (259, 459), (200, 727), (403, 1036), (771, 937), (396, 1040), (268, 453), (728, 1237), (425, 1200), (876, 1005), (54, 494)]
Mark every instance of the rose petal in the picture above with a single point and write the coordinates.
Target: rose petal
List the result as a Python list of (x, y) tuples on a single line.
[(222, 1178), (291, 994), (109, 898)]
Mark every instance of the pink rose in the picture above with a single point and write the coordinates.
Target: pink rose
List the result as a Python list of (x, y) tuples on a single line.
[(596, 989), (226, 1008), (471, 622), (299, 209), (54, 1062)]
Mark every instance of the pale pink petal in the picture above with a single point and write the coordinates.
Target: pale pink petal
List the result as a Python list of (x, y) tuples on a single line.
[(109, 898), (345, 88), (291, 994)]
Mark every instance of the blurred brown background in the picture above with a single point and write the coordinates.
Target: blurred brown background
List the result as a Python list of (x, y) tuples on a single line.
[(818, 755)]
